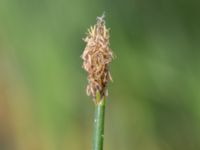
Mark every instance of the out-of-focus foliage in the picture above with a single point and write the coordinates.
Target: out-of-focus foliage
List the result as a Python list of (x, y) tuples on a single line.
[(154, 102)]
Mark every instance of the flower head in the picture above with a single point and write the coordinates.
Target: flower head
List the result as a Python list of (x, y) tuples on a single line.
[(96, 58)]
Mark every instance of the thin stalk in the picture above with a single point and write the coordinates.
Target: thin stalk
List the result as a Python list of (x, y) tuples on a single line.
[(98, 136)]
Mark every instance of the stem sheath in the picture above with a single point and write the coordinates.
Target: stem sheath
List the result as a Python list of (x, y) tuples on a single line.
[(99, 116)]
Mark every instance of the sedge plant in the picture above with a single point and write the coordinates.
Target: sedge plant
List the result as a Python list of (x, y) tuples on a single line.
[(96, 58)]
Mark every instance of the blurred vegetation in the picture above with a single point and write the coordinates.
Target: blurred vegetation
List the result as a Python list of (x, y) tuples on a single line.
[(154, 101)]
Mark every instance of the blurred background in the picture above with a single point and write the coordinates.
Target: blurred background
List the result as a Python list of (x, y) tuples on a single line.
[(154, 101)]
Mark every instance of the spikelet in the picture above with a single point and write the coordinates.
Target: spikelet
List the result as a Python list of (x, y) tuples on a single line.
[(96, 57)]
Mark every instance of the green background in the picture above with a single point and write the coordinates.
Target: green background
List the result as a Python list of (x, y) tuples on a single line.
[(154, 101)]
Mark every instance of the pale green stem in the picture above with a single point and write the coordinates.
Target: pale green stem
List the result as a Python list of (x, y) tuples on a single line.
[(98, 136)]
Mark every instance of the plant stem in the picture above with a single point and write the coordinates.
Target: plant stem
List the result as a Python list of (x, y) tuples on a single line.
[(99, 116)]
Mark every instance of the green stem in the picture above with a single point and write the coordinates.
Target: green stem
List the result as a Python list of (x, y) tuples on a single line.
[(99, 116)]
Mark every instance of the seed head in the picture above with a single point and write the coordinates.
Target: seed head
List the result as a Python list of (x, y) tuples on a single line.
[(96, 57)]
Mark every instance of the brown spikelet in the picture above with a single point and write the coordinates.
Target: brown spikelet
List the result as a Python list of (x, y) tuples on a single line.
[(96, 58)]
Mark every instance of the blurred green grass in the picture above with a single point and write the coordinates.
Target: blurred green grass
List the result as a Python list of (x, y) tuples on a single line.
[(154, 101)]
